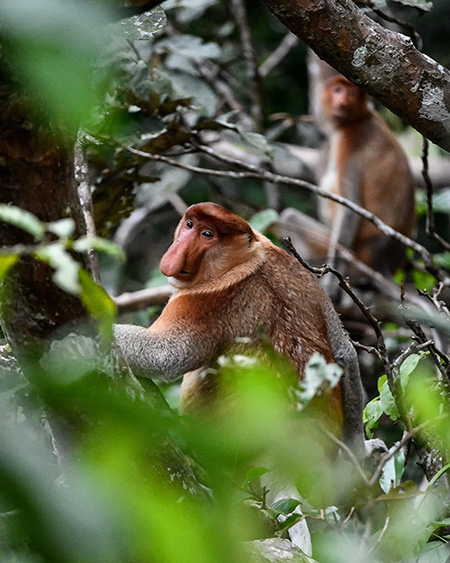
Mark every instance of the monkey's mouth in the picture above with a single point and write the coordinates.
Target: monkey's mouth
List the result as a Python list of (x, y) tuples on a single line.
[(184, 273)]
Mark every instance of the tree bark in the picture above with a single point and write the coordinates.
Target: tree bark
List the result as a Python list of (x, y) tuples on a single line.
[(36, 174), (384, 63)]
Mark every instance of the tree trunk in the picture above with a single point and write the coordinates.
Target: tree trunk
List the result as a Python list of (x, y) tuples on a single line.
[(36, 174)]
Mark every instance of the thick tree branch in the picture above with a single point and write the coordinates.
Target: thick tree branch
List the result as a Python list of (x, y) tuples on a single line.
[(384, 63)]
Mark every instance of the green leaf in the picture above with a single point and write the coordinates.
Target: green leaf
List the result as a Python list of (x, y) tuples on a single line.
[(261, 221), (441, 201), (435, 552), (256, 140), (83, 244), (64, 228), (381, 381), (399, 463), (190, 47), (255, 473), (409, 365), (285, 506), (98, 303), (372, 413), (387, 402), (55, 45), (22, 219), (66, 268)]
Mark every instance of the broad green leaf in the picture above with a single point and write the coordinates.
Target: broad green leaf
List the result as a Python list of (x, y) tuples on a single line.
[(441, 201), (98, 303), (190, 47), (409, 365), (435, 552), (285, 506), (399, 461), (256, 140), (22, 219), (55, 45), (66, 268), (71, 358)]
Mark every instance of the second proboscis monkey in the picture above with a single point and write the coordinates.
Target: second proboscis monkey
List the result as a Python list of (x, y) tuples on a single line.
[(233, 283), (365, 164)]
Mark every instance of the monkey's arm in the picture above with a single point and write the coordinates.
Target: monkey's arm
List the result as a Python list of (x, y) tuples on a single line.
[(162, 356), (185, 337)]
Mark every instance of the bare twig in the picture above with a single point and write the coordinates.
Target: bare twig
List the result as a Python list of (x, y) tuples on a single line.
[(144, 298), (85, 197), (274, 59), (210, 73), (392, 375), (254, 172), (407, 436), (380, 537)]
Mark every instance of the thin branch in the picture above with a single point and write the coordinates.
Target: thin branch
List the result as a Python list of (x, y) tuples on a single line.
[(210, 73), (435, 353), (254, 172), (85, 197), (407, 436), (380, 537), (411, 433), (274, 59), (342, 445), (144, 298), (343, 283)]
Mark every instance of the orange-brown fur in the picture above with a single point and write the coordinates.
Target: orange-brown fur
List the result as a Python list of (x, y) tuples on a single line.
[(371, 169), (232, 284)]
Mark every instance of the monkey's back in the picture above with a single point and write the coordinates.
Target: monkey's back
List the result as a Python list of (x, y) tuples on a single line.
[(284, 302)]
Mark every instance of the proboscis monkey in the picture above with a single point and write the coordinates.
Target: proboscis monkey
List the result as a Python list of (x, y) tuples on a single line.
[(366, 165), (233, 283)]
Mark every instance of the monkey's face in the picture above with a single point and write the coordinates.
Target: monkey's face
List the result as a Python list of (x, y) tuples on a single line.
[(342, 101), (208, 242)]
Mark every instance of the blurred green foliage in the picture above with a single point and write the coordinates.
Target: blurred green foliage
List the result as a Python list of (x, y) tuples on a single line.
[(120, 494)]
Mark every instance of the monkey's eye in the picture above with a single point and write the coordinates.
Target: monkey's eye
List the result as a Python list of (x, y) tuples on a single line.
[(207, 234), (189, 223)]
